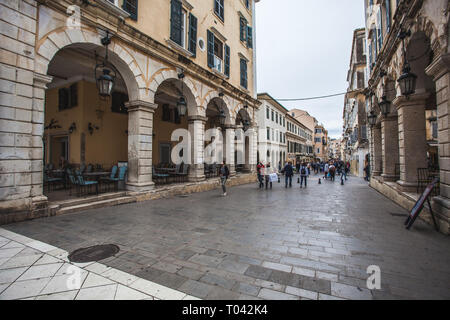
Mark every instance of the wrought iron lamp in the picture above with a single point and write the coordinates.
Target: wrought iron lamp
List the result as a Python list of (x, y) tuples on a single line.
[(385, 106), (407, 80), (181, 103), (72, 127), (105, 73), (372, 118)]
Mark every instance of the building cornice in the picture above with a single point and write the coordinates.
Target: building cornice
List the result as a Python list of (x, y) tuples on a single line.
[(99, 18)]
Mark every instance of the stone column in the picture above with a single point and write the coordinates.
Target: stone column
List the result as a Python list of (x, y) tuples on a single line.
[(390, 152), (440, 71), (197, 132), (412, 138), (377, 151), (37, 134), (140, 145), (253, 147), (228, 145)]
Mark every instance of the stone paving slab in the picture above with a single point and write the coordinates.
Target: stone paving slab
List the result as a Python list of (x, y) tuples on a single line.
[(34, 270), (313, 243)]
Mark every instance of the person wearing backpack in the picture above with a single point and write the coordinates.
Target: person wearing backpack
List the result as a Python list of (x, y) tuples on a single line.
[(288, 171), (304, 175)]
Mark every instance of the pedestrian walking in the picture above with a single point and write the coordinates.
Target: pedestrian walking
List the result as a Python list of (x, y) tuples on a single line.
[(288, 171), (325, 169), (271, 175), (224, 173), (260, 168), (297, 167), (332, 171), (304, 175)]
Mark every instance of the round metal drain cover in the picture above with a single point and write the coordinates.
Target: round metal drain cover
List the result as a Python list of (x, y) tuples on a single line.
[(95, 253)]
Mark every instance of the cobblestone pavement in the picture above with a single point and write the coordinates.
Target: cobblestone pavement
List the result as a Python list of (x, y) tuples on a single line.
[(33, 270), (313, 243)]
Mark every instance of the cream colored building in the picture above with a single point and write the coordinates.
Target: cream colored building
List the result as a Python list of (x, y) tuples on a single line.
[(355, 107), (160, 52), (409, 142), (272, 142), (310, 123), (298, 138)]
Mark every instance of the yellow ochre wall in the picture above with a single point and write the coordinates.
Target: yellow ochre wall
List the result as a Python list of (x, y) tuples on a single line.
[(163, 131), (154, 20), (105, 146)]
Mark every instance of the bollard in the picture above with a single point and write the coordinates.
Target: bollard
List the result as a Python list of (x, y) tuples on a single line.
[(320, 181)]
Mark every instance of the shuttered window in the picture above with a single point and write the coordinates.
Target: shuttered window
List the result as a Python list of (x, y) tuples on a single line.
[(243, 29), (176, 22), (131, 6), (227, 61), (63, 98), (192, 34), (74, 95), (249, 37), (219, 9), (388, 15), (210, 49)]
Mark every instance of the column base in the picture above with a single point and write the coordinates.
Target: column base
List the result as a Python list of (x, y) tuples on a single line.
[(404, 186), (196, 173), (376, 173), (388, 178), (140, 187), (441, 207)]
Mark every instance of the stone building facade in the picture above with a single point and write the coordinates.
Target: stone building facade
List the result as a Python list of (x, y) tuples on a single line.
[(299, 139), (310, 123), (161, 51), (272, 143), (355, 108), (415, 34)]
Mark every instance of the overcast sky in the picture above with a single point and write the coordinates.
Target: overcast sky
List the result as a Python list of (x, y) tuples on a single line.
[(303, 50)]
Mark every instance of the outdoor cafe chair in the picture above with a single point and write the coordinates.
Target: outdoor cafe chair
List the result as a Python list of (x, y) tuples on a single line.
[(86, 184), (52, 181), (111, 178)]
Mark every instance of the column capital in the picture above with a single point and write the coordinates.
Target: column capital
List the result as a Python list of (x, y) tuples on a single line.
[(197, 118), (439, 67), (41, 80), (412, 100), (139, 105), (230, 126)]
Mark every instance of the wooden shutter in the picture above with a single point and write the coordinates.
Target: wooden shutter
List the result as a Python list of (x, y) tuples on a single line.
[(63, 98), (388, 15), (192, 34), (74, 95), (227, 61), (210, 49), (176, 18), (243, 29), (249, 37), (131, 6), (244, 75)]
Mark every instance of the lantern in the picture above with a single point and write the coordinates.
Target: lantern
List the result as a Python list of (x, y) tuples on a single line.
[(372, 118), (407, 81), (182, 106), (105, 83), (385, 106)]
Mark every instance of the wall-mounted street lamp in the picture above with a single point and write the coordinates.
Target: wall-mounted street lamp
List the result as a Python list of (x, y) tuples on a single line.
[(407, 80), (105, 74), (92, 127), (372, 118), (181, 103), (53, 125), (385, 106), (72, 127)]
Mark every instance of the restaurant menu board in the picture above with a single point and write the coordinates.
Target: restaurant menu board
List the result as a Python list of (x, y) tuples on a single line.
[(418, 207)]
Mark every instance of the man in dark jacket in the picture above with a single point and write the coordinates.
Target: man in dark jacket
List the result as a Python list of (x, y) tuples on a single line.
[(224, 174), (288, 172)]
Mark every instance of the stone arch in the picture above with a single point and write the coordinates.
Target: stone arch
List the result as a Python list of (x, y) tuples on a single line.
[(222, 104), (240, 108), (181, 88), (64, 37), (168, 73)]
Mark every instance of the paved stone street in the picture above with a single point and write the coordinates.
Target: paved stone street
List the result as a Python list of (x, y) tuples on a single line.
[(280, 244)]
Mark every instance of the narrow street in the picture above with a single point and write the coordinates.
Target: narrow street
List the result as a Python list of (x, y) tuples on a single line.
[(313, 243)]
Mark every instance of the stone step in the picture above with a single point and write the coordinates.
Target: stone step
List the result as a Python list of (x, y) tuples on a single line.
[(95, 205), (80, 201)]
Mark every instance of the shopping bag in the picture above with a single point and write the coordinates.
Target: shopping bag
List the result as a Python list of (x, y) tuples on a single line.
[(273, 177)]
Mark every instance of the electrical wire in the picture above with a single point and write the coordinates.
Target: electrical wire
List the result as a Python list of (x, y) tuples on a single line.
[(312, 98)]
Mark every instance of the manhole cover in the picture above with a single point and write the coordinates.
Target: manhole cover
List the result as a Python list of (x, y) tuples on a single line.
[(95, 253)]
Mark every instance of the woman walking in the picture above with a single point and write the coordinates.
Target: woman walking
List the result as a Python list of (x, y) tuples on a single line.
[(224, 174)]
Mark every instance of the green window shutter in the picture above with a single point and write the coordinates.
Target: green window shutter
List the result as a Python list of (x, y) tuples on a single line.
[(227, 61), (192, 34), (176, 18), (249, 37), (73, 95), (210, 49), (63, 99), (244, 74), (243, 29), (131, 6)]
